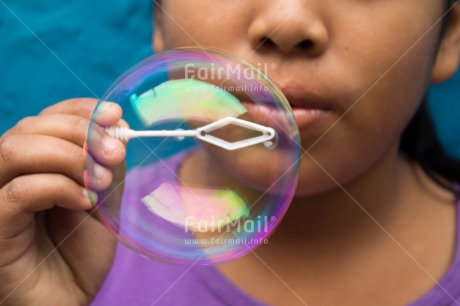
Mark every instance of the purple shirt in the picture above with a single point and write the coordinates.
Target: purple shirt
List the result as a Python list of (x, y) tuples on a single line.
[(136, 280)]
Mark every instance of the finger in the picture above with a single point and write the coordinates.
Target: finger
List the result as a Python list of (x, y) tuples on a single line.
[(28, 154), (71, 128), (82, 107), (95, 176), (37, 192), (105, 149), (113, 194), (104, 113), (67, 127), (107, 113)]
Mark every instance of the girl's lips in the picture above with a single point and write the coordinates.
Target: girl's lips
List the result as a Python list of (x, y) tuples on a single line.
[(306, 117), (268, 116)]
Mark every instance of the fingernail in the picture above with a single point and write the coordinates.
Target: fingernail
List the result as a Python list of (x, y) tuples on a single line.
[(99, 173), (90, 196), (110, 144), (105, 106)]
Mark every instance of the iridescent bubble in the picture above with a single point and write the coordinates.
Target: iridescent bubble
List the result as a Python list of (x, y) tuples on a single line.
[(212, 157)]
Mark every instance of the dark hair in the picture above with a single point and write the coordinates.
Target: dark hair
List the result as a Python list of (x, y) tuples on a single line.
[(421, 143)]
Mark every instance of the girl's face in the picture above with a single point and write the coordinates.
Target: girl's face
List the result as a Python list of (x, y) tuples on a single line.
[(364, 66)]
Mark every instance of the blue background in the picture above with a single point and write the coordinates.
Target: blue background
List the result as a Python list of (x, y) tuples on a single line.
[(54, 50), (51, 51)]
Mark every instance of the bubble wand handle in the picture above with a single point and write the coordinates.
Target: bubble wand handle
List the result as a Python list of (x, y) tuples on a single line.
[(126, 134)]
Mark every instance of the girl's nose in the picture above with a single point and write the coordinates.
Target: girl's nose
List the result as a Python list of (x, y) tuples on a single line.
[(289, 26)]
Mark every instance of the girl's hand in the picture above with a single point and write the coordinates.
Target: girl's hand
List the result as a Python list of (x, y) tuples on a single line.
[(52, 251)]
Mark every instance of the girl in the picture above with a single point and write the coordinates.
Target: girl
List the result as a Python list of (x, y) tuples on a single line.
[(374, 218)]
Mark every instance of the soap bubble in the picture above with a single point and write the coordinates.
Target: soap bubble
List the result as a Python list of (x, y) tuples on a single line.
[(212, 157)]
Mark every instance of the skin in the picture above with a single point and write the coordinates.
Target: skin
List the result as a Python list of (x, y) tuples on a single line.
[(326, 241), (42, 201), (342, 60)]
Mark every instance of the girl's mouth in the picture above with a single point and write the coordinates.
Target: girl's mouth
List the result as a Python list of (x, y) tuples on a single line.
[(270, 116)]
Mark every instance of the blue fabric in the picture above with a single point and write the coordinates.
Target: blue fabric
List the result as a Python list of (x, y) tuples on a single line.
[(94, 43)]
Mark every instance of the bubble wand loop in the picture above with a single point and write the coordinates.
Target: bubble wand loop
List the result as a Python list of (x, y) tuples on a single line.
[(202, 133)]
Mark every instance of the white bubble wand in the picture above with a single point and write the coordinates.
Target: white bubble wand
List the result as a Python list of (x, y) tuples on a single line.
[(203, 133)]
